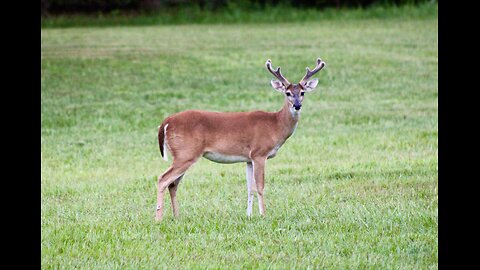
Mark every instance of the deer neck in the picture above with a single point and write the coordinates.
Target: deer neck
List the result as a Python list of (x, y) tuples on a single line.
[(288, 119)]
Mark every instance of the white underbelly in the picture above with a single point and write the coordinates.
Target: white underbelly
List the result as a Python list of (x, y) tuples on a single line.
[(222, 158), (273, 152)]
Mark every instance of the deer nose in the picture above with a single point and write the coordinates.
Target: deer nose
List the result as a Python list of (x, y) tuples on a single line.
[(297, 107)]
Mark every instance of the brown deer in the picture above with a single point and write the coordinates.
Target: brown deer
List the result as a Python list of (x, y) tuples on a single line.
[(229, 137)]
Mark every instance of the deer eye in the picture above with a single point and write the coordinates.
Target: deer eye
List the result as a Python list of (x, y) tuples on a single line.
[(302, 93), (288, 94)]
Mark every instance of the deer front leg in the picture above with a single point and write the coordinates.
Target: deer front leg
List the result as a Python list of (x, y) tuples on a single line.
[(258, 174), (251, 188)]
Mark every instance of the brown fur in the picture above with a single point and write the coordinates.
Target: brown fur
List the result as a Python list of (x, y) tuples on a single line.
[(250, 137), (190, 134)]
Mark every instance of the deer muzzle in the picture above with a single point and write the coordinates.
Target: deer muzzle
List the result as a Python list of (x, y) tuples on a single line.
[(297, 105)]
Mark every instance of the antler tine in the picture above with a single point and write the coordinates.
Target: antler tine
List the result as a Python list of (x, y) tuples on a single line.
[(277, 73), (310, 73)]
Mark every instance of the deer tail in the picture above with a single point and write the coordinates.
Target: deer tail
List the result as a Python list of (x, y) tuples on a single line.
[(162, 140)]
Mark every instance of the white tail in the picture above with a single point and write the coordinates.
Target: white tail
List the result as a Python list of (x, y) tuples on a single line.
[(251, 137), (165, 157)]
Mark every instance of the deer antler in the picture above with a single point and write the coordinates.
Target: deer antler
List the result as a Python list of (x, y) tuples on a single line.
[(310, 73), (277, 73)]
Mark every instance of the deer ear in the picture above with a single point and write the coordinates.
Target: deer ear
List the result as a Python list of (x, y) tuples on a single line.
[(310, 85), (277, 85)]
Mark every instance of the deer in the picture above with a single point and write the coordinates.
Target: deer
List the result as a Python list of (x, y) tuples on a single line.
[(231, 137)]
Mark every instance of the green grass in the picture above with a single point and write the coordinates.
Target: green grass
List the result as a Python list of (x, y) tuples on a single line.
[(354, 188)]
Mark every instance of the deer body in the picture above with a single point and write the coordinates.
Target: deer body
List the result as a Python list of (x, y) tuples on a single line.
[(204, 133), (225, 137)]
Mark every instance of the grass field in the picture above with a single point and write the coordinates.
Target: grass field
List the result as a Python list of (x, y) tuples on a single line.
[(354, 188)]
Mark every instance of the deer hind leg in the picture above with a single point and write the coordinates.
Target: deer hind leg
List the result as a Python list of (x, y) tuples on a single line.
[(173, 173), (251, 188), (172, 188)]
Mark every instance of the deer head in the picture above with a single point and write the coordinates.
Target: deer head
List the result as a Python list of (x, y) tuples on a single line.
[(295, 92)]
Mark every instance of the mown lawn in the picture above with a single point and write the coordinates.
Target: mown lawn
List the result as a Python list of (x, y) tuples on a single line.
[(354, 188)]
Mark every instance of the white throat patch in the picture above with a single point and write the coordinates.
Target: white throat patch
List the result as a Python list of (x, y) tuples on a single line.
[(294, 112)]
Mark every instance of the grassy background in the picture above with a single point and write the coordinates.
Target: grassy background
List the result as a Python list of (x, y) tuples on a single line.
[(354, 187)]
